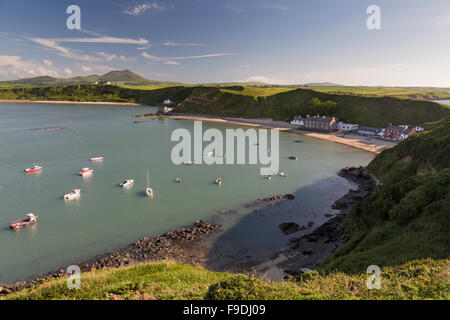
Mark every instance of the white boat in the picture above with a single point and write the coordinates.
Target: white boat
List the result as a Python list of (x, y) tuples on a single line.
[(178, 180), (148, 190), (97, 159), (282, 174), (127, 183), (269, 177), (219, 181), (74, 194), (275, 171)]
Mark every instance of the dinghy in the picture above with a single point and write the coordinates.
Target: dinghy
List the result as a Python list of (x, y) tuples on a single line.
[(127, 183), (72, 195), (34, 168)]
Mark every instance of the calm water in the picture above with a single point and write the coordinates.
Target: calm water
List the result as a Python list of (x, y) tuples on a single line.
[(106, 217)]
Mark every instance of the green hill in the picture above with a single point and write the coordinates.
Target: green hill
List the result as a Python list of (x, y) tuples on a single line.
[(408, 217), (126, 77), (367, 111), (250, 102)]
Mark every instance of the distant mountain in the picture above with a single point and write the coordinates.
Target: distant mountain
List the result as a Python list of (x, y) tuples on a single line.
[(126, 77)]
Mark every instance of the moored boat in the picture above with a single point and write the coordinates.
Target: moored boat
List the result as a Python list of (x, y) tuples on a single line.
[(219, 181), (127, 183), (20, 224), (34, 168), (97, 159), (72, 195), (85, 172), (178, 180), (282, 174)]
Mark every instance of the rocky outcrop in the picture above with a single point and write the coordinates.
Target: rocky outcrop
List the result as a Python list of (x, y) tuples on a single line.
[(311, 249), (289, 227)]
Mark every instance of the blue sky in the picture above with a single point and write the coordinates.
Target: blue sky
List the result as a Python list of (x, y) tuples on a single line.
[(195, 41)]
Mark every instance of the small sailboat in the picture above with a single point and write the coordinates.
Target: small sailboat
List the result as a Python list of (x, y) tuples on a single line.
[(269, 177), (97, 159), (20, 224), (219, 181), (34, 168), (282, 174), (85, 172), (127, 183), (72, 195), (148, 190), (275, 171), (178, 180)]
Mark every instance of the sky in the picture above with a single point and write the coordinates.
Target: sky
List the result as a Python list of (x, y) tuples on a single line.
[(201, 41)]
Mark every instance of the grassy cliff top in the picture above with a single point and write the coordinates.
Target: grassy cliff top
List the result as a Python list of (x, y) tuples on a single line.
[(421, 279)]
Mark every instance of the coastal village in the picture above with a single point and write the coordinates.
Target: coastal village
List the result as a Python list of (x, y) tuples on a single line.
[(332, 124)]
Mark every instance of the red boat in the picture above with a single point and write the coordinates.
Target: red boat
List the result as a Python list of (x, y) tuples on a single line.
[(20, 224), (35, 168), (85, 172)]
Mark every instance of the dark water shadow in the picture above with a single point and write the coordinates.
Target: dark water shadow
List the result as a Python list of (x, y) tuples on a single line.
[(257, 238)]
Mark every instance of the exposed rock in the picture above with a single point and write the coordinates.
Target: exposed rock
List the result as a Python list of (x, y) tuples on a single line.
[(289, 227)]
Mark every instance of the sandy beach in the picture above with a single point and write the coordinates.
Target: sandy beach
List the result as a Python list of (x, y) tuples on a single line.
[(373, 145), (71, 102)]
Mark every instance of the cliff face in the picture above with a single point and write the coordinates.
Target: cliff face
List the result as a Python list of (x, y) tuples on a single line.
[(408, 217)]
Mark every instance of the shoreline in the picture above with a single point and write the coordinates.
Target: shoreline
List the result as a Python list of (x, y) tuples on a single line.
[(372, 145), (194, 244), (72, 102)]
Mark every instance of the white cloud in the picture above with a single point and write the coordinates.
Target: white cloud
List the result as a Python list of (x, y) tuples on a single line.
[(68, 71), (63, 51), (264, 79), (86, 69), (103, 39), (72, 54), (48, 62), (107, 57), (181, 44), (142, 8), (442, 20), (172, 62), (14, 67), (156, 58)]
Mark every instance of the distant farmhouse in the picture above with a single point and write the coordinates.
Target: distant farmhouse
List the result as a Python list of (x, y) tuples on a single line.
[(316, 123), (102, 82)]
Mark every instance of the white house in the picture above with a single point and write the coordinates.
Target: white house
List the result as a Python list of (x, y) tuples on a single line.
[(347, 126), (298, 120)]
